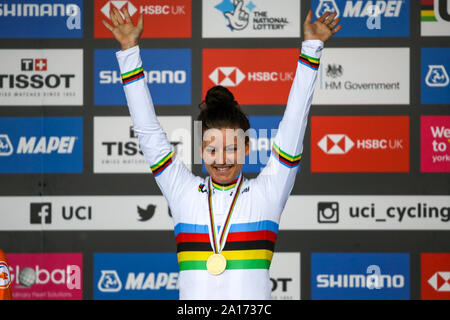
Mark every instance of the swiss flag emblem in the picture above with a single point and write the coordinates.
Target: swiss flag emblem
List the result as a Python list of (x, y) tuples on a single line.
[(40, 64)]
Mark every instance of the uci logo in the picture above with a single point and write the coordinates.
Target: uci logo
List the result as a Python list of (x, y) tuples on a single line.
[(437, 76)]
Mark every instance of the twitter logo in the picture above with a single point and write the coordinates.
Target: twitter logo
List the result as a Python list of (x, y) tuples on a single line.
[(146, 214)]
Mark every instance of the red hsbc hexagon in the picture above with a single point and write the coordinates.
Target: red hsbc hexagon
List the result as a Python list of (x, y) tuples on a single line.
[(359, 144), (162, 18), (255, 76)]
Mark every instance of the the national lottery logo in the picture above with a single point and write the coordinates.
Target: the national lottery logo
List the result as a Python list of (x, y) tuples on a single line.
[(437, 76), (236, 14), (109, 281), (327, 5)]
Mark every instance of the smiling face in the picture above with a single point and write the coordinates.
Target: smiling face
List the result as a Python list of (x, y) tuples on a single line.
[(224, 151)]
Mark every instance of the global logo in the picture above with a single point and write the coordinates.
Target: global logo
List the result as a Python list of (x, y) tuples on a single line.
[(440, 281), (109, 281), (119, 5), (227, 76), (327, 5), (437, 76), (336, 144), (6, 147)]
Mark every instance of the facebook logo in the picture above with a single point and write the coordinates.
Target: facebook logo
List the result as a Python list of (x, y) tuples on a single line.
[(41, 213)]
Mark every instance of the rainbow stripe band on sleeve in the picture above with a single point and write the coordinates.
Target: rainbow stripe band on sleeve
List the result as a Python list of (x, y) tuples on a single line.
[(158, 168), (308, 61), (286, 159), (132, 76)]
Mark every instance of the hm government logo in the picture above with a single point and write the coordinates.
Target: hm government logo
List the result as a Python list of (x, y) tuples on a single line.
[(437, 76), (336, 144), (334, 71), (327, 5), (227, 76), (119, 5)]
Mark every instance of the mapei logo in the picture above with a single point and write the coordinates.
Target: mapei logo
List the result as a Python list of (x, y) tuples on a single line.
[(135, 276), (437, 76), (109, 281), (367, 18), (227, 76), (6, 147), (327, 5), (336, 144), (440, 281)]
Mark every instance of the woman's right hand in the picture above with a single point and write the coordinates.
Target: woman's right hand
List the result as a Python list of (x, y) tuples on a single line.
[(123, 30)]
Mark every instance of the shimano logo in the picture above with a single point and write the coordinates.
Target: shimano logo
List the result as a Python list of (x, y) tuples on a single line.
[(359, 281), (152, 76), (38, 10)]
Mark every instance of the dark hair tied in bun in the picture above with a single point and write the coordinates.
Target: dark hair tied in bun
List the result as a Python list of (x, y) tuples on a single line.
[(220, 110)]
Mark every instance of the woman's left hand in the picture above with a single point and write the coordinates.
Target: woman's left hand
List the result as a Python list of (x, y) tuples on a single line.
[(321, 29)]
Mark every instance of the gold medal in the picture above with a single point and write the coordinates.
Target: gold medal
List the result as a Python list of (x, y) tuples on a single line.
[(216, 264)]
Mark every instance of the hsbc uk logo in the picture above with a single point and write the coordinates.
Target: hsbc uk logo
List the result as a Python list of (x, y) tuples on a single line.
[(119, 5), (342, 144), (233, 76), (227, 76), (336, 144), (440, 281)]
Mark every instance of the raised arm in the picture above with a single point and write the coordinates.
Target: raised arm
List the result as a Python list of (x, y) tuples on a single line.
[(170, 173), (277, 178)]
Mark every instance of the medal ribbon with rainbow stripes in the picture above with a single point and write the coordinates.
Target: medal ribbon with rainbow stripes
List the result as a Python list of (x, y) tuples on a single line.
[(217, 263)]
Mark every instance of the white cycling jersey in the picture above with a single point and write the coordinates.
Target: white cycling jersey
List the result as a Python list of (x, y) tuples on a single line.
[(250, 239)]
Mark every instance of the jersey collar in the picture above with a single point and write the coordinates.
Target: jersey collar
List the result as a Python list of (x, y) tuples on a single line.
[(226, 186)]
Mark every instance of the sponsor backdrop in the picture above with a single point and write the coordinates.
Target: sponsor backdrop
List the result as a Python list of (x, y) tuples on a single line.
[(81, 216)]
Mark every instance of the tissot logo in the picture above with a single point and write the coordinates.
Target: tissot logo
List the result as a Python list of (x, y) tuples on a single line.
[(227, 76)]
